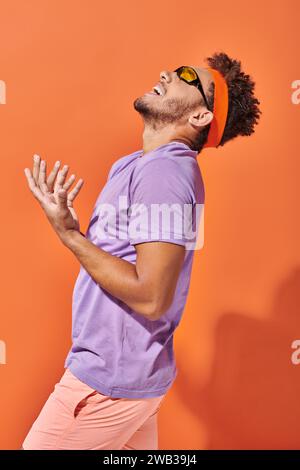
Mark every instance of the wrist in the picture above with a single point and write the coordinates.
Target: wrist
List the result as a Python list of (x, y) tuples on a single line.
[(70, 236)]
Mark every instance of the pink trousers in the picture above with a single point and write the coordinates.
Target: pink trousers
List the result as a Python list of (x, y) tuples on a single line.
[(77, 417)]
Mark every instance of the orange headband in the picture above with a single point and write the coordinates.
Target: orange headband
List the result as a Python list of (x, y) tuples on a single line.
[(220, 109)]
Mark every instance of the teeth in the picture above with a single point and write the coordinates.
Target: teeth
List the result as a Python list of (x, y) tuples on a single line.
[(158, 90)]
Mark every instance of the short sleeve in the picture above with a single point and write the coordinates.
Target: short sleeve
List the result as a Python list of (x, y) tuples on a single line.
[(162, 202)]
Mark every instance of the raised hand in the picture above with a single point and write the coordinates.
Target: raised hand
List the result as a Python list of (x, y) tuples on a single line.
[(52, 195)]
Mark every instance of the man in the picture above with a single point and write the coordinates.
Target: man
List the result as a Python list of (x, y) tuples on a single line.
[(133, 281)]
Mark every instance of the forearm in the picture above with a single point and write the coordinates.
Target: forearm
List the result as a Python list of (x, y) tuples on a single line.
[(116, 275)]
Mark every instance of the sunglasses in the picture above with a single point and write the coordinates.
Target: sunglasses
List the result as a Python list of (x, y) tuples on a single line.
[(188, 75)]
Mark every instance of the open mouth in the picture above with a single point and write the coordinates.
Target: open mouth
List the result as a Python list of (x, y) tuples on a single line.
[(157, 90)]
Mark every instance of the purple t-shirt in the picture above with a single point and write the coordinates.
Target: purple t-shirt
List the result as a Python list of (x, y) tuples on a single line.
[(116, 350)]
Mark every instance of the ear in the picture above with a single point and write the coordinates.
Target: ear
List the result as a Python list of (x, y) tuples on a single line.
[(201, 117)]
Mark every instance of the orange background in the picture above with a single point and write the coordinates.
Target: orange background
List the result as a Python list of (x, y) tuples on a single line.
[(72, 71)]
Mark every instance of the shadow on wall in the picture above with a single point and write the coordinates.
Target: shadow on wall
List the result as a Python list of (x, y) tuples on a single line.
[(251, 400)]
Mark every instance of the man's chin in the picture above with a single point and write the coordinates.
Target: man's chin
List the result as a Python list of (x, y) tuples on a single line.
[(140, 104)]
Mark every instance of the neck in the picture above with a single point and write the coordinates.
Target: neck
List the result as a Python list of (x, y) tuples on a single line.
[(153, 139)]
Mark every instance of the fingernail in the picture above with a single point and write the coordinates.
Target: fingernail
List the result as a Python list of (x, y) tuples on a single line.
[(57, 163), (36, 157)]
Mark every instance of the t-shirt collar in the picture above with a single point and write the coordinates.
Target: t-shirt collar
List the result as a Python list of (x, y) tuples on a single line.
[(173, 143)]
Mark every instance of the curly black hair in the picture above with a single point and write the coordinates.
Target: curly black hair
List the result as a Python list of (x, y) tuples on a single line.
[(243, 109)]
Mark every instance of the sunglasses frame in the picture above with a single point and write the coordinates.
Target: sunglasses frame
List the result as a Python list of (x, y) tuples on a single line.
[(197, 82)]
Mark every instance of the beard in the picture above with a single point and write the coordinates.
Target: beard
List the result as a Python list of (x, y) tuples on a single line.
[(159, 114)]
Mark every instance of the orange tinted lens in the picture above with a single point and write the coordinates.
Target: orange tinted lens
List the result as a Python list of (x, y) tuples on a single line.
[(188, 74)]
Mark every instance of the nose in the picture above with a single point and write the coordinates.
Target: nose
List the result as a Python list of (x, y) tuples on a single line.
[(166, 76)]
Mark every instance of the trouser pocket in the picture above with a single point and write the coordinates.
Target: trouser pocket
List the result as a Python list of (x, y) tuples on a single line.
[(73, 393), (79, 407)]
